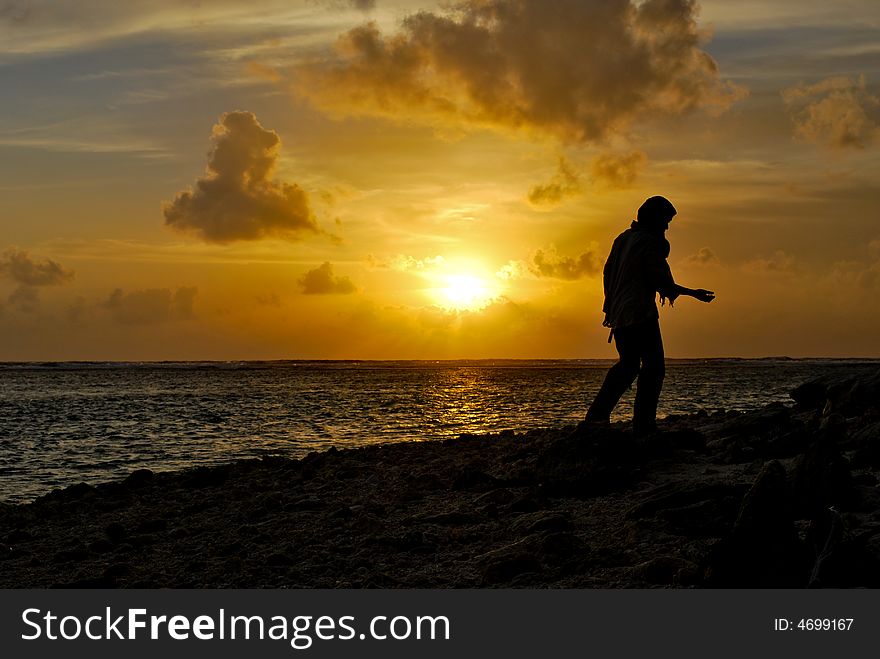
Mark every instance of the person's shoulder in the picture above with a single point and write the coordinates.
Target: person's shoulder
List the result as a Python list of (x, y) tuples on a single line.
[(626, 234), (653, 242)]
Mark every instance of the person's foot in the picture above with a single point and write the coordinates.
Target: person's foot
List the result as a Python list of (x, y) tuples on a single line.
[(589, 425)]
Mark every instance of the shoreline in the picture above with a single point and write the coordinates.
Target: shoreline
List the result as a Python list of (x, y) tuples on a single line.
[(783, 496)]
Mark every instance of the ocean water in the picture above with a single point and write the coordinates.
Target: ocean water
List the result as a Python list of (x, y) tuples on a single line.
[(65, 423)]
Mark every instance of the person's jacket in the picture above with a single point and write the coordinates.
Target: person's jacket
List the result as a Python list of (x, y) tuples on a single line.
[(636, 270)]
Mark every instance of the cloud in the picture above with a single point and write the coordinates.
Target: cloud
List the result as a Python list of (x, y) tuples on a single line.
[(17, 265), (860, 275), (547, 263), (25, 298), (513, 270), (360, 5), (703, 256), (564, 184), (152, 306), (237, 199), (405, 263), (836, 112), (321, 281), (779, 261), (30, 275), (268, 300), (611, 170), (579, 70), (15, 12)]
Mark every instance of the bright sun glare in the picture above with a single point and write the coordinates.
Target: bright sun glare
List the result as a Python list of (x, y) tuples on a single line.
[(464, 292)]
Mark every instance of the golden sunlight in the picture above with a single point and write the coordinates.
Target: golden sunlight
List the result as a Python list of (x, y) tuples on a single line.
[(463, 292)]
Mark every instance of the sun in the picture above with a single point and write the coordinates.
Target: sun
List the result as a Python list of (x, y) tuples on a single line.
[(463, 291)]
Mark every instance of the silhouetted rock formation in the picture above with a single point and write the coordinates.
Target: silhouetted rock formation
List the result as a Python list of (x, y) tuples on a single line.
[(778, 497)]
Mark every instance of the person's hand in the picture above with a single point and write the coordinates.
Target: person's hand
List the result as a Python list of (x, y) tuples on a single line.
[(671, 298), (703, 295)]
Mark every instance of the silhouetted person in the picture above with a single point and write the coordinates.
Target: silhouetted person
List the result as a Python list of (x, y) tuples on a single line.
[(636, 270)]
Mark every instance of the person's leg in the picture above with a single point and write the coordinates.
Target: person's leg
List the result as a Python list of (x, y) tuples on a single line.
[(653, 370), (619, 377)]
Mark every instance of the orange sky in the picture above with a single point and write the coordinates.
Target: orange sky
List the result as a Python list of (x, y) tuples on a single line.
[(392, 179)]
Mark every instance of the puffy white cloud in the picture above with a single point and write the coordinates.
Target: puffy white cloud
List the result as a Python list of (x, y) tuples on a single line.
[(238, 199)]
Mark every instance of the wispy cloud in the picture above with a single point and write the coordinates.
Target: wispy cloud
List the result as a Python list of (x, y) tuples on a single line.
[(564, 184)]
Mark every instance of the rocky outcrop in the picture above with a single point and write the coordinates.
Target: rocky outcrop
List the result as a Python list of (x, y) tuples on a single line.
[(784, 496)]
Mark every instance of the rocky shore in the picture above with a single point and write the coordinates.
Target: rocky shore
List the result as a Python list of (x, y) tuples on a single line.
[(784, 496)]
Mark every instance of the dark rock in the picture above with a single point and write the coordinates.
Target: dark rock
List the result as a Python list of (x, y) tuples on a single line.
[(279, 560), (763, 550), (538, 522), (810, 395), (73, 555), (138, 478), (115, 531), (203, 477), (587, 465), (680, 494), (821, 479), (101, 546), (560, 545), (842, 558), (865, 480), (89, 582), (845, 394), (18, 536), (708, 518), (499, 569), (79, 491), (662, 570), (454, 518), (152, 526), (472, 478), (687, 439), (305, 505), (118, 570), (526, 504), (866, 441)]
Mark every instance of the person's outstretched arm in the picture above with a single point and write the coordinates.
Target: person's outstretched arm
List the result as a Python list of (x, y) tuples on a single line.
[(700, 294)]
